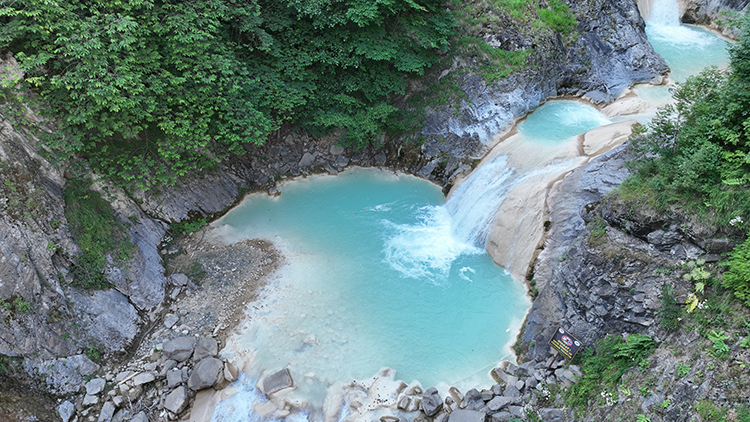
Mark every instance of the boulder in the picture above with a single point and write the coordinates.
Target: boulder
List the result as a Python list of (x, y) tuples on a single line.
[(179, 349), (277, 381), (175, 377), (465, 415), (144, 378), (140, 417), (473, 400), (553, 415), (66, 410), (206, 347), (501, 402), (108, 410), (307, 160), (177, 400), (431, 402), (205, 374), (95, 386)]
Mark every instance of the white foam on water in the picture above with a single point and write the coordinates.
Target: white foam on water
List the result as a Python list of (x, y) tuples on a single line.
[(426, 249)]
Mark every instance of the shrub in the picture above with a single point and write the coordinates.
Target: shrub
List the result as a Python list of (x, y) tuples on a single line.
[(737, 275), (96, 231), (604, 365), (669, 311)]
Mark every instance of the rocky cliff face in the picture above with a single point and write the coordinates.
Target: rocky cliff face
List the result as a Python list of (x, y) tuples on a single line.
[(610, 54), (44, 317), (713, 13)]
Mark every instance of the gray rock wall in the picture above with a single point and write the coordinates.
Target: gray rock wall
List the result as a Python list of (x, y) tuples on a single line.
[(711, 13)]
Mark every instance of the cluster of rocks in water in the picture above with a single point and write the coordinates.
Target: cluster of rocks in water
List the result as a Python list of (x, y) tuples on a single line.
[(159, 386), (518, 389)]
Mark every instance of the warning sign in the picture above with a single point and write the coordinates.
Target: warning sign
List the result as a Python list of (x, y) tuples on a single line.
[(565, 343)]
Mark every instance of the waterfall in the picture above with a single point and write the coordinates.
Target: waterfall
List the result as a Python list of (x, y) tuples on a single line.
[(664, 13), (474, 203)]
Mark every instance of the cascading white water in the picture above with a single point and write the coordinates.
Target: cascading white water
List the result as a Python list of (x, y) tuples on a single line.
[(475, 202), (686, 49)]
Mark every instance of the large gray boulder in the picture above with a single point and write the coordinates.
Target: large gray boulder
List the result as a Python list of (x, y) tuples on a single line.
[(179, 349), (431, 402), (66, 410), (177, 400), (205, 347), (95, 386), (205, 374), (465, 415)]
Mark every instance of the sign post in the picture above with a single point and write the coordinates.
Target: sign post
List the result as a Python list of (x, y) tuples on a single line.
[(565, 344)]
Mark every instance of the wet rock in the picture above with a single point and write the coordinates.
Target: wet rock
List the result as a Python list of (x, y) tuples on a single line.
[(205, 374), (277, 382), (179, 349), (95, 386), (66, 410), (206, 347), (230, 372), (177, 400), (431, 402)]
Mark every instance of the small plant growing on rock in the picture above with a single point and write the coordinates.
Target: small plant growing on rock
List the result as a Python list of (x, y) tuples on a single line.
[(682, 370), (642, 418), (720, 349)]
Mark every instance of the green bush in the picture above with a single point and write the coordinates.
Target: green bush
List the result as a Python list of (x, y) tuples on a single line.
[(669, 311), (558, 17), (709, 412), (96, 231), (604, 365), (737, 274)]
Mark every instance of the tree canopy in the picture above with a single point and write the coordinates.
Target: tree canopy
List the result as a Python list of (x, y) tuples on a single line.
[(151, 89)]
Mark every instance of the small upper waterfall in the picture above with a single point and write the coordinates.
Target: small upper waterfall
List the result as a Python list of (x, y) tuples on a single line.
[(664, 12), (475, 202)]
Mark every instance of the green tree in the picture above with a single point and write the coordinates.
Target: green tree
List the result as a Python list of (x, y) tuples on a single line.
[(152, 89)]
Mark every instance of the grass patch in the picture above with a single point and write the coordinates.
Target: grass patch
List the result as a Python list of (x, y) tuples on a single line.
[(96, 231)]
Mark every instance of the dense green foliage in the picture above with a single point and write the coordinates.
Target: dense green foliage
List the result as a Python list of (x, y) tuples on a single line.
[(737, 276), (695, 155), (96, 230), (669, 312), (151, 89), (697, 152), (604, 365)]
